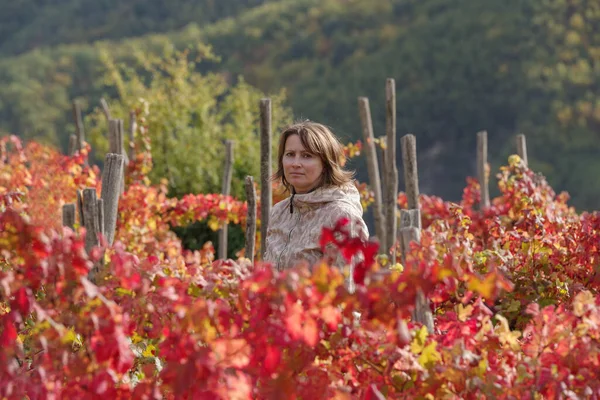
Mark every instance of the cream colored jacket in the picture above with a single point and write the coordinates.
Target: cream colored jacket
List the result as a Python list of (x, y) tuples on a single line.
[(294, 231)]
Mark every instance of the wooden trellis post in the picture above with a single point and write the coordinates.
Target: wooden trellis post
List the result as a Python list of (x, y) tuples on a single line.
[(266, 192), (105, 109), (111, 191), (116, 144), (251, 218), (482, 168), (68, 215), (410, 233), (72, 145), (391, 170), (373, 169), (225, 189), (80, 134), (90, 218), (411, 175), (522, 148)]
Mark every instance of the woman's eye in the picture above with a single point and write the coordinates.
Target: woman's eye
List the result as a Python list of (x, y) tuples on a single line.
[(306, 155)]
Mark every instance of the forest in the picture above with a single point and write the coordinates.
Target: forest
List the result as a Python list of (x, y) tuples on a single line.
[(461, 66)]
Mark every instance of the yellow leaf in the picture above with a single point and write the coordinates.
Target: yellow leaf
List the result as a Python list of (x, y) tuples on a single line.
[(418, 343), (464, 312), (69, 337), (582, 302), (320, 277), (482, 367), (135, 338), (148, 351), (398, 267), (429, 355), (213, 223), (506, 336), (484, 287)]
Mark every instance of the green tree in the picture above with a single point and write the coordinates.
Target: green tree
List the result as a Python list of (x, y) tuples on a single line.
[(189, 116)]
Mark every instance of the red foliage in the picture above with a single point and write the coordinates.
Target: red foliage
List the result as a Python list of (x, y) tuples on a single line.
[(512, 290)]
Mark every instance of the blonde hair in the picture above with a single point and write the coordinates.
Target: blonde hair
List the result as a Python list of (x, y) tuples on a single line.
[(317, 139)]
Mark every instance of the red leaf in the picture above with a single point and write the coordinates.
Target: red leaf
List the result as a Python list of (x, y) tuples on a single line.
[(360, 271), (9, 332), (373, 394), (21, 302), (272, 359)]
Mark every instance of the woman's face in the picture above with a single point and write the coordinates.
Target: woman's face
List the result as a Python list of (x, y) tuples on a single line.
[(301, 169)]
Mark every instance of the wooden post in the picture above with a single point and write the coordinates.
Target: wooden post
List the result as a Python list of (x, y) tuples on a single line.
[(80, 207), (225, 192), (266, 191), (382, 177), (411, 175), (113, 136), (105, 109), (72, 145), (373, 169), (121, 140), (410, 218), (90, 212), (422, 311), (522, 148), (250, 218), (391, 170), (111, 184), (78, 125), (132, 129), (100, 207), (482, 167), (116, 144), (68, 215)]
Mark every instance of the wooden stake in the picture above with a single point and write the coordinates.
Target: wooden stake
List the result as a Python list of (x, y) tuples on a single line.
[(105, 109), (90, 212), (373, 169), (68, 215), (391, 180), (116, 144), (482, 168), (411, 175), (226, 187), (72, 145), (266, 191), (100, 207), (422, 311), (410, 218), (80, 208), (251, 218), (113, 136), (111, 185), (522, 148), (78, 125)]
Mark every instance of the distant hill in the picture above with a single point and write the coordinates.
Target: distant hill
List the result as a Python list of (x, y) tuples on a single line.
[(460, 66), (30, 24)]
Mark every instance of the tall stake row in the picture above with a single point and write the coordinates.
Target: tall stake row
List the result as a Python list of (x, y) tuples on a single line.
[(99, 215)]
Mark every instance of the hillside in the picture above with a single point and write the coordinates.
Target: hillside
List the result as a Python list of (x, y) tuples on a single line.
[(460, 66), (29, 24)]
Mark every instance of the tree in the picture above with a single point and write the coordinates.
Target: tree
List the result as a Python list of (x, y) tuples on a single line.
[(188, 115)]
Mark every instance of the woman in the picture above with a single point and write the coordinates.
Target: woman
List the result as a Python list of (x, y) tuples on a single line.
[(310, 169)]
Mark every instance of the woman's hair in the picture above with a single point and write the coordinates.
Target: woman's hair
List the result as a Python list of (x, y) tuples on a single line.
[(317, 139)]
